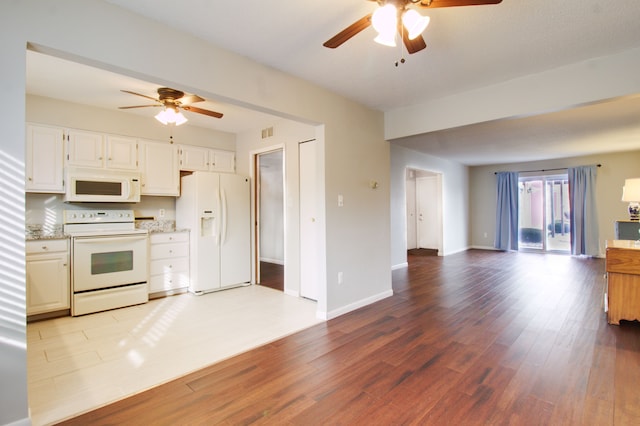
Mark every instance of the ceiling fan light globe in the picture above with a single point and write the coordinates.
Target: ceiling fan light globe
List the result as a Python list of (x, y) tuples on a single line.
[(388, 39), (161, 117), (171, 116), (180, 119), (414, 23), (384, 19)]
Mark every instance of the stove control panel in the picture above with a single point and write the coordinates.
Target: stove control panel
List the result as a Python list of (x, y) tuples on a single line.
[(98, 216)]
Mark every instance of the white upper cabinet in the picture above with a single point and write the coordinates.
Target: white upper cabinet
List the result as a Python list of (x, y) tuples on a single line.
[(122, 152), (222, 161), (85, 149), (45, 159), (159, 168), (89, 149), (194, 158)]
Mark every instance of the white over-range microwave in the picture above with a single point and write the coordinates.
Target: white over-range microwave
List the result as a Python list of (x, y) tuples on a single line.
[(101, 185)]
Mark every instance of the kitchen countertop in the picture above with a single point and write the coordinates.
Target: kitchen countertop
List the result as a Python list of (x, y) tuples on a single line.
[(159, 231), (39, 237), (155, 226), (39, 232)]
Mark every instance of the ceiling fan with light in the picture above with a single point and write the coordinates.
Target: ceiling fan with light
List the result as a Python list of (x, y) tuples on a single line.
[(396, 16), (172, 101)]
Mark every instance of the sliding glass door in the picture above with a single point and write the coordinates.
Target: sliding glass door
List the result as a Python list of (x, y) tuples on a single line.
[(544, 213)]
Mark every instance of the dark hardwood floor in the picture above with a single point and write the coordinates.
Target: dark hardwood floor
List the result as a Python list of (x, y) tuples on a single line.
[(476, 338), (272, 275)]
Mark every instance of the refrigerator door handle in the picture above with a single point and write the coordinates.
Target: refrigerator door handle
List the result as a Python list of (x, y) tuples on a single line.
[(224, 214)]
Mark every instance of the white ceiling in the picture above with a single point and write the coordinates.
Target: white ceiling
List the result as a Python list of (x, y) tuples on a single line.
[(468, 48)]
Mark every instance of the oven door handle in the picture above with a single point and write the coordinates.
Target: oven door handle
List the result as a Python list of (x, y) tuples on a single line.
[(114, 239)]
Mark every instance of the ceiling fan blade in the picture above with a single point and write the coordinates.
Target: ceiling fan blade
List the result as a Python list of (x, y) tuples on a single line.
[(138, 94), (348, 32), (190, 99), (139, 106), (415, 45), (202, 111), (432, 4)]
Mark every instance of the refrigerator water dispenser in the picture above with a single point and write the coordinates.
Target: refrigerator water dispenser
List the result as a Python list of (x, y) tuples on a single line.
[(207, 224)]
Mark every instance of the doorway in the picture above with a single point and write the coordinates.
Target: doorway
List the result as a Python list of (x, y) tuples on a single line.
[(544, 213), (424, 212), (269, 193)]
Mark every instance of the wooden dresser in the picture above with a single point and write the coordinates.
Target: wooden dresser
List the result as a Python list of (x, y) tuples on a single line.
[(623, 280)]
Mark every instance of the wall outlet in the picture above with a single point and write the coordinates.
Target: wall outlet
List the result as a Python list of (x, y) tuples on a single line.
[(161, 213), (485, 235), (339, 277)]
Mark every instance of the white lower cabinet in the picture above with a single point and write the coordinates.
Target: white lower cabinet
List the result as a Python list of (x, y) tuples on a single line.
[(169, 262), (47, 267)]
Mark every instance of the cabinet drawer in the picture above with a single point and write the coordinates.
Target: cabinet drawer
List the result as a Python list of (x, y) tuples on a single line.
[(169, 237), (46, 246), (168, 282), (166, 266), (169, 251), (623, 261)]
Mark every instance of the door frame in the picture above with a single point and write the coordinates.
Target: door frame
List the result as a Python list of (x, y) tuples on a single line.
[(413, 174), (255, 209)]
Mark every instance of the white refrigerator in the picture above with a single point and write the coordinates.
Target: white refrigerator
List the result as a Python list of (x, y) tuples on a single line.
[(216, 208)]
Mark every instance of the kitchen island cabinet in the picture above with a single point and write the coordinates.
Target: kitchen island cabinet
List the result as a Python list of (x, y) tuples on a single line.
[(47, 267)]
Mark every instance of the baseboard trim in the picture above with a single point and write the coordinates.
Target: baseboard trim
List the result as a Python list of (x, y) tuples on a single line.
[(293, 293), (359, 304), (484, 248), (268, 260), (400, 266)]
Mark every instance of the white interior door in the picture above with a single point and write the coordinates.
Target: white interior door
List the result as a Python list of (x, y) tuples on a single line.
[(412, 231), (427, 211), (308, 225)]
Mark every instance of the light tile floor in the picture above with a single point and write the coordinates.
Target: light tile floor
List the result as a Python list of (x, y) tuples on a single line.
[(78, 364)]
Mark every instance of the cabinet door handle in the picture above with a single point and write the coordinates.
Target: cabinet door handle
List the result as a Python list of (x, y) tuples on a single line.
[(45, 248)]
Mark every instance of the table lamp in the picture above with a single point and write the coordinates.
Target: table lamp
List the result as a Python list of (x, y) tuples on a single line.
[(631, 194)]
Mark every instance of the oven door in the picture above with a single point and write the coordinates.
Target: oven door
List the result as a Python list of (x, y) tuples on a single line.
[(108, 261)]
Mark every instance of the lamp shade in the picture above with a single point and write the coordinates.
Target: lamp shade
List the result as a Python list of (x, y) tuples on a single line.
[(631, 190)]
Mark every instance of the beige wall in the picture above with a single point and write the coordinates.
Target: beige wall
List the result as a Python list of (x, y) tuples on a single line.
[(615, 169)]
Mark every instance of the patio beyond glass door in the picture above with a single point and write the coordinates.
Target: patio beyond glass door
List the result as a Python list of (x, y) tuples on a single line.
[(543, 214)]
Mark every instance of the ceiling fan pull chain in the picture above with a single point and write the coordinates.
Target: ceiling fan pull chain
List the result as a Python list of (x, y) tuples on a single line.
[(400, 46)]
